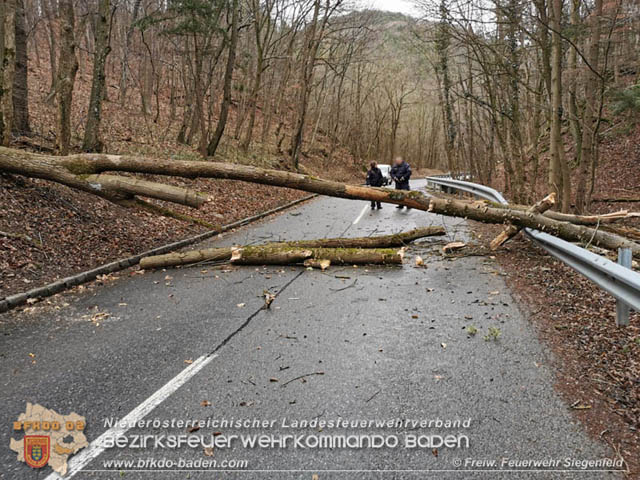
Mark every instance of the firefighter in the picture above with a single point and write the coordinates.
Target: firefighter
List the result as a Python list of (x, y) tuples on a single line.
[(400, 174)]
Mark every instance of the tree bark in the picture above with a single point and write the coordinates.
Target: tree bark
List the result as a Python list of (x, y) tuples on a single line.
[(92, 142), (385, 241), (269, 255), (67, 69), (20, 86), (556, 143), (53, 47), (8, 69), (276, 254), (159, 191)]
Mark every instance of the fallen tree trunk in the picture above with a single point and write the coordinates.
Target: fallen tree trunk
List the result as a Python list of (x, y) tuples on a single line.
[(344, 244), (269, 255), (285, 255), (588, 220), (159, 191), (116, 189), (628, 232), (383, 241), (593, 219), (567, 231), (278, 254), (187, 258), (512, 230), (30, 164)]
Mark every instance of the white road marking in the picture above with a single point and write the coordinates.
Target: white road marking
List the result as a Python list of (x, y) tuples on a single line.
[(364, 210), (95, 448)]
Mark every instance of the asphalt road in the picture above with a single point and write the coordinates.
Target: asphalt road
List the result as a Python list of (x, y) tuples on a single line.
[(373, 344)]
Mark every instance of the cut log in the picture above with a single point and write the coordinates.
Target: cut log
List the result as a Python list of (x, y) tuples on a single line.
[(512, 230), (68, 170), (225, 254), (275, 254), (187, 258), (269, 255), (360, 256), (284, 255)]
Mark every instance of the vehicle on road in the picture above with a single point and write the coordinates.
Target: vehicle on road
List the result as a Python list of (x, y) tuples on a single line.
[(386, 173)]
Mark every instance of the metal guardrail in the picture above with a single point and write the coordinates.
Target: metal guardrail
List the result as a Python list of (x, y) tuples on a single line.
[(620, 281)]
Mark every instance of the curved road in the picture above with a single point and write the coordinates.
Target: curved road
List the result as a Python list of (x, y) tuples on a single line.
[(367, 345)]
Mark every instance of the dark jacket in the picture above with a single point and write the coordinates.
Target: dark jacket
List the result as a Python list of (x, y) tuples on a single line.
[(401, 175), (375, 178)]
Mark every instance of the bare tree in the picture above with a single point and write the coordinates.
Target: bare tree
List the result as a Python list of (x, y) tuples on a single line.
[(228, 79), (67, 69), (92, 142), (8, 68)]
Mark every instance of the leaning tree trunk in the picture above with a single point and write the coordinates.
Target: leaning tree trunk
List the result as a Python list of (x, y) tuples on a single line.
[(74, 168), (92, 142), (67, 69), (311, 44), (228, 80)]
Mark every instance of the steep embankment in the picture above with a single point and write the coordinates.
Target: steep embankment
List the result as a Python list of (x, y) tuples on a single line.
[(48, 231)]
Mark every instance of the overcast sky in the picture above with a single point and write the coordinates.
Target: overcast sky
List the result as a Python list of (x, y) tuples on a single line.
[(404, 6)]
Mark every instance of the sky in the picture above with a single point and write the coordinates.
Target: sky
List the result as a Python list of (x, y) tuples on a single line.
[(403, 6)]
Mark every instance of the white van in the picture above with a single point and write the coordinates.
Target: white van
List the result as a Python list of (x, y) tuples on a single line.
[(386, 174)]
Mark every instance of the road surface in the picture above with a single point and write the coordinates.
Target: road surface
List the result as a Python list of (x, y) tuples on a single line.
[(388, 344)]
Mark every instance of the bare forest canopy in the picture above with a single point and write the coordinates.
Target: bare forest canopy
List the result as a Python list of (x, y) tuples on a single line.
[(511, 90)]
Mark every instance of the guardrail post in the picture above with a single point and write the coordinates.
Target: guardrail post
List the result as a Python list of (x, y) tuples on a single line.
[(622, 309)]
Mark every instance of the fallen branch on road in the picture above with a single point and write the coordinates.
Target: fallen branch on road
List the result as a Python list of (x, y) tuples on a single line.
[(301, 377), (275, 254)]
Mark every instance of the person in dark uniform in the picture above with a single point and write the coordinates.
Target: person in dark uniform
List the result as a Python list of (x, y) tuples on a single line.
[(401, 173), (375, 179)]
